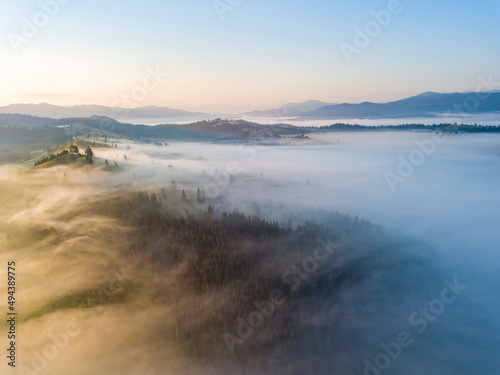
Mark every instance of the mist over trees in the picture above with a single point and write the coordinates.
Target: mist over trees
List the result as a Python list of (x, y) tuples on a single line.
[(247, 278), (226, 265)]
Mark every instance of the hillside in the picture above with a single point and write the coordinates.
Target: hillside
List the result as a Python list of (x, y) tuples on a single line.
[(190, 276), (57, 131), (212, 130)]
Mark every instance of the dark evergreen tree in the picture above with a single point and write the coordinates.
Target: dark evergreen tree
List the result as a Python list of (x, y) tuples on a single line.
[(199, 196), (89, 153)]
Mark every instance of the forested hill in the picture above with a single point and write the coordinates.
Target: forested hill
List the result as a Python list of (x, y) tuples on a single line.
[(219, 129), (215, 130), (14, 119)]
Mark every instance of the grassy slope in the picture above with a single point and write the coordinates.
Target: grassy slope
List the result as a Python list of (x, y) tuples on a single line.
[(72, 270), (186, 280)]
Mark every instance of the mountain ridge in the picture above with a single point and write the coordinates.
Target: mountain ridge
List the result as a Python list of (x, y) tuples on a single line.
[(426, 104)]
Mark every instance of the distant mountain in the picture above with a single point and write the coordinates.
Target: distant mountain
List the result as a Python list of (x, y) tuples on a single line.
[(290, 109), (38, 110), (428, 104), (136, 115)]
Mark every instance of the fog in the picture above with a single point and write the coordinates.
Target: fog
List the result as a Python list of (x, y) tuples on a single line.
[(437, 192), (280, 118), (452, 188), (460, 118), (450, 200)]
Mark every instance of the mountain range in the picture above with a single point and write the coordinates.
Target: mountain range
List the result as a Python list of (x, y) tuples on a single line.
[(290, 109), (148, 113), (428, 104)]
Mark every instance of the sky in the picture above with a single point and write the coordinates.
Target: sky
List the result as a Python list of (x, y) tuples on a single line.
[(233, 56)]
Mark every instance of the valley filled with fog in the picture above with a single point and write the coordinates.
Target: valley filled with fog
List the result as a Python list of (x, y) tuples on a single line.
[(281, 117), (472, 118), (448, 199), (422, 216), (235, 187), (347, 172)]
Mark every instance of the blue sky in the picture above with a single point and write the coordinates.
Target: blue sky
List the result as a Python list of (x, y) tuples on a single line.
[(259, 54)]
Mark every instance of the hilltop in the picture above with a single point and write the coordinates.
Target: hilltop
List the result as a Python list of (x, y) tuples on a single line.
[(67, 154), (24, 142)]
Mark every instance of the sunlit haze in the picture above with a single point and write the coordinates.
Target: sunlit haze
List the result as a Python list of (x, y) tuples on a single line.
[(253, 55), (249, 187)]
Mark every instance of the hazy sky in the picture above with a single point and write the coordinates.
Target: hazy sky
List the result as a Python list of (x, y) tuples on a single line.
[(251, 54)]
